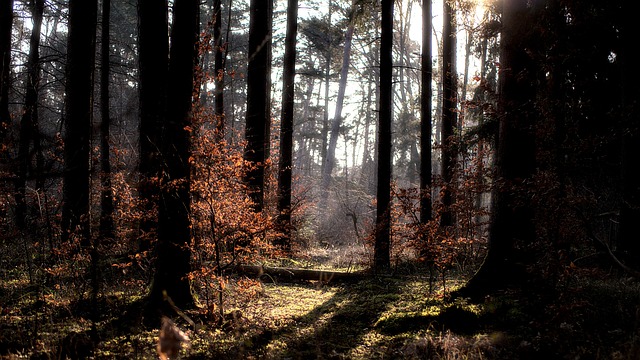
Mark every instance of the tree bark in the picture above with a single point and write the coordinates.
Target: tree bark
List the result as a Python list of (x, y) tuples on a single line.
[(78, 110), (258, 101), (29, 122), (173, 262), (6, 21), (106, 208), (425, 116), (512, 214), (218, 69), (449, 113), (286, 126), (630, 209), (383, 208), (153, 45)]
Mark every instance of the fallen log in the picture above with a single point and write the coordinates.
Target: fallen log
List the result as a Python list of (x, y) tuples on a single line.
[(269, 273)]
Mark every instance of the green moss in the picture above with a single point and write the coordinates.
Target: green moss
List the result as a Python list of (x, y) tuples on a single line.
[(403, 323), (378, 318)]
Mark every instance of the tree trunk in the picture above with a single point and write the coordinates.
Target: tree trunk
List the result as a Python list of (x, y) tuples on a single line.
[(29, 122), (465, 77), (425, 116), (337, 117), (403, 147), (258, 102), (165, 142), (367, 161), (174, 235), (153, 45), (449, 113), (106, 208), (303, 156), (324, 133), (6, 21), (78, 110), (383, 210), (106, 196), (630, 210), (512, 214), (218, 69), (286, 126), (480, 178), (437, 119)]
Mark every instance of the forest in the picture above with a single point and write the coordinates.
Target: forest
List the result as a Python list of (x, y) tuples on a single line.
[(319, 179)]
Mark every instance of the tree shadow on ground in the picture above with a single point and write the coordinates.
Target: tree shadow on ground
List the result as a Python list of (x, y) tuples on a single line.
[(81, 342), (454, 318), (337, 326)]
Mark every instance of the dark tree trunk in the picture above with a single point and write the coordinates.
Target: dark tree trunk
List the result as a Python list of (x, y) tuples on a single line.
[(267, 94), (153, 45), (449, 113), (258, 99), (286, 125), (174, 236), (425, 114), (106, 206), (512, 214), (106, 196), (218, 69), (383, 212), (78, 111), (630, 211), (6, 21), (29, 122)]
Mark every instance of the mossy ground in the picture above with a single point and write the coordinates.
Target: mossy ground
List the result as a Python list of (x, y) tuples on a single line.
[(589, 316)]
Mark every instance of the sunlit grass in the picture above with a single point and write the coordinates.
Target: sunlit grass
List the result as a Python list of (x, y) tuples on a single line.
[(348, 258), (404, 316)]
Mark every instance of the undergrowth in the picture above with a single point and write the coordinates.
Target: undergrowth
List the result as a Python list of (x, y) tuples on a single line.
[(591, 315)]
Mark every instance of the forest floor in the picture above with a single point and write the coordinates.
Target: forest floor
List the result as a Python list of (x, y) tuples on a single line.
[(589, 314)]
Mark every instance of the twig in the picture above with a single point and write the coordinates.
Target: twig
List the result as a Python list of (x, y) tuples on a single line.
[(591, 234)]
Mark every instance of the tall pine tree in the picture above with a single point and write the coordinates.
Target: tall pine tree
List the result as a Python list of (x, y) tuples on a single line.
[(258, 117), (512, 211), (173, 262), (77, 123), (425, 115), (383, 209), (286, 125), (6, 21)]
